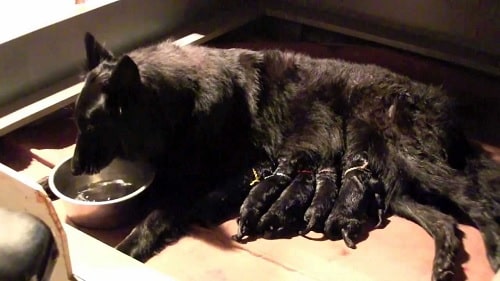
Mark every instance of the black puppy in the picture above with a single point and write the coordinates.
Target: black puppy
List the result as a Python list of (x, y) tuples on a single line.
[(360, 190), (285, 216), (260, 198), (203, 116), (328, 180), (327, 188)]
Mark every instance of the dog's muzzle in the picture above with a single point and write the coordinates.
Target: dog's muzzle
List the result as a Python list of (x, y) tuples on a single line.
[(93, 152)]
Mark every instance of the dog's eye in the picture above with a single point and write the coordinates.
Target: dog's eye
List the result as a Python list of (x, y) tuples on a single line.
[(89, 128)]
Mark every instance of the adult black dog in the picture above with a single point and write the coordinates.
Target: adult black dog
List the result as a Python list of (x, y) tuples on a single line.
[(204, 117)]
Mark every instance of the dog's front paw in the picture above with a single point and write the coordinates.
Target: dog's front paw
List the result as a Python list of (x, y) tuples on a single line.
[(136, 246), (158, 230)]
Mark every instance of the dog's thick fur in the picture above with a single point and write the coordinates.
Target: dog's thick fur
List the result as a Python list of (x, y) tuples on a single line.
[(205, 116)]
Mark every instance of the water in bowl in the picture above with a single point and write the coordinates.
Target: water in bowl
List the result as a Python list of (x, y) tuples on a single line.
[(105, 190)]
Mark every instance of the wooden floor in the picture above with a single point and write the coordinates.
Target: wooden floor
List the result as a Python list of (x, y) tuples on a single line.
[(400, 251)]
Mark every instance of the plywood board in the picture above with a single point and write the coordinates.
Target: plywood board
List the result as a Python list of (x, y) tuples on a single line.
[(17, 193)]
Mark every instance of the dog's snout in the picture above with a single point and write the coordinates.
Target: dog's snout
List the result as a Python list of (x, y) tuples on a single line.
[(76, 168)]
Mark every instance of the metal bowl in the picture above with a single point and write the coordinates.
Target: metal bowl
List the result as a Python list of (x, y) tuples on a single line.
[(105, 200)]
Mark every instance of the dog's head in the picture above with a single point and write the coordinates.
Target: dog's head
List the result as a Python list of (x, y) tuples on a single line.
[(110, 86)]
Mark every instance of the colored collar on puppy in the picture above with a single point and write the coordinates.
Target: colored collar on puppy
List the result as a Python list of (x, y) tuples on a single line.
[(362, 167), (256, 179), (280, 174), (326, 170)]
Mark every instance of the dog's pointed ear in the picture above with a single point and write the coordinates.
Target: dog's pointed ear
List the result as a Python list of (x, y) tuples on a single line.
[(126, 74), (96, 53), (124, 84)]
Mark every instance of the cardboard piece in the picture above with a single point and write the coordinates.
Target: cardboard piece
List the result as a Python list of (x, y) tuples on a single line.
[(18, 193)]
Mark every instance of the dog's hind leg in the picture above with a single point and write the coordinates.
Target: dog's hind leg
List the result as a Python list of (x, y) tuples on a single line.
[(482, 204), (157, 230), (441, 227), (475, 192), (485, 215)]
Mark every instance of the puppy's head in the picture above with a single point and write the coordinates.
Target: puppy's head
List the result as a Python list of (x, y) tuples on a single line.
[(109, 87)]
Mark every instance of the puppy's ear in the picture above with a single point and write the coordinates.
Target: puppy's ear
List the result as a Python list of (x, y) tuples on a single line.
[(96, 53)]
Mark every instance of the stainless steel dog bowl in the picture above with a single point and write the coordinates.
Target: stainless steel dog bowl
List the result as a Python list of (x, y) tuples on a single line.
[(104, 200)]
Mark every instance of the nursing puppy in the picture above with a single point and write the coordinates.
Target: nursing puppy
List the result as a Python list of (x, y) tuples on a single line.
[(204, 117)]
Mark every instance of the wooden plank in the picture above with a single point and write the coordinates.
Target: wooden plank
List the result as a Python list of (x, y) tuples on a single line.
[(402, 249), (216, 25), (211, 255), (38, 109), (94, 260), (21, 160), (35, 170)]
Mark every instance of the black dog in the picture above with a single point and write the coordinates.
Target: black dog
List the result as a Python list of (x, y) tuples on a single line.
[(204, 117)]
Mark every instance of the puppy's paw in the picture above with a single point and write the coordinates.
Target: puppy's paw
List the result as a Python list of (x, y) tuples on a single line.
[(322, 202), (270, 222), (278, 225), (315, 220), (247, 224), (286, 214), (260, 199), (441, 274), (494, 262), (492, 242), (350, 211), (347, 228)]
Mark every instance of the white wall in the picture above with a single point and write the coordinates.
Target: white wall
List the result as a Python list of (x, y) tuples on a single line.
[(47, 56)]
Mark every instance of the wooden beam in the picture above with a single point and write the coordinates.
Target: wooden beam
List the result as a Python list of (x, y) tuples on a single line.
[(415, 41)]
